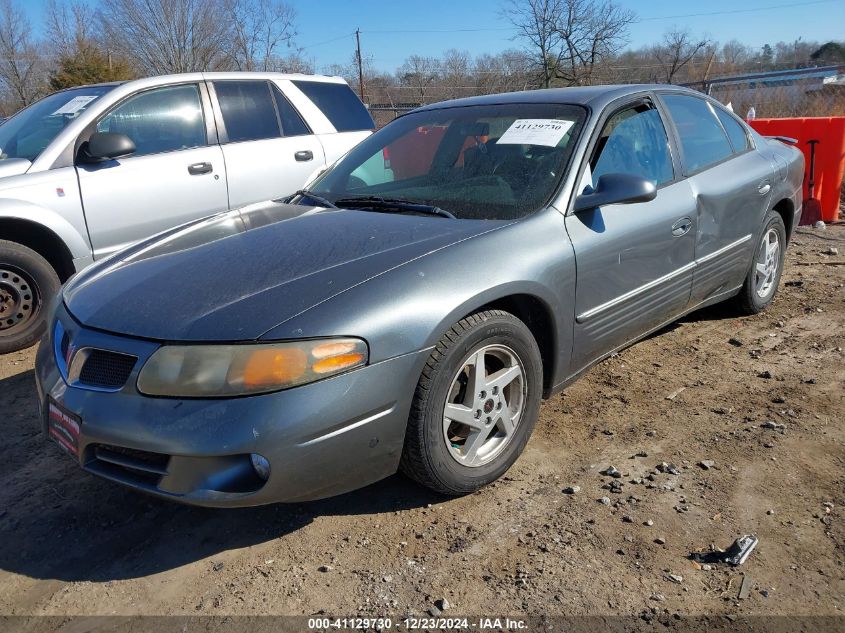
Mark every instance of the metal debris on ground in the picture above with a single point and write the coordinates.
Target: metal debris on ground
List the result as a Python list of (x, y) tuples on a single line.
[(745, 587), (675, 393), (735, 555)]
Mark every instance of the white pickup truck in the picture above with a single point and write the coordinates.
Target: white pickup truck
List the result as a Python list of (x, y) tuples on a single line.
[(87, 171)]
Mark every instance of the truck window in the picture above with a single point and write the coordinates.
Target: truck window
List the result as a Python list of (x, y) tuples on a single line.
[(159, 120), (341, 106), (292, 123), (248, 110)]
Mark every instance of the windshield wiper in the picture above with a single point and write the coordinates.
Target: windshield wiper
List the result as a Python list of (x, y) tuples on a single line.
[(393, 205), (305, 193)]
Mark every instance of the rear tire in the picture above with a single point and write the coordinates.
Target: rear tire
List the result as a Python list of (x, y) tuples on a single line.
[(763, 277), (467, 427), (27, 284)]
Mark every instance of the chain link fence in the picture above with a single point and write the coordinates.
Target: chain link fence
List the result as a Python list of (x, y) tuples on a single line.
[(783, 101), (809, 92)]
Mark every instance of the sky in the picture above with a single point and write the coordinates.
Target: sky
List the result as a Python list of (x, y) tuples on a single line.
[(391, 30)]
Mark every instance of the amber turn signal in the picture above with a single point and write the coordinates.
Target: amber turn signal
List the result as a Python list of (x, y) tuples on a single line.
[(213, 371)]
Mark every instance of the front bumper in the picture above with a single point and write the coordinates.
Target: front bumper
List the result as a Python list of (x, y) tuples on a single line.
[(321, 439)]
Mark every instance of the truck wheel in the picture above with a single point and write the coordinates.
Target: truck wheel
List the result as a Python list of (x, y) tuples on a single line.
[(475, 404), (27, 283)]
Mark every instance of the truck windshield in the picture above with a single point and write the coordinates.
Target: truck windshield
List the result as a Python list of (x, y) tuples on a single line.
[(481, 162), (31, 130)]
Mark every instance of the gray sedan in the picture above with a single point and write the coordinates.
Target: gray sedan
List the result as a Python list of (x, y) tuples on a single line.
[(411, 309)]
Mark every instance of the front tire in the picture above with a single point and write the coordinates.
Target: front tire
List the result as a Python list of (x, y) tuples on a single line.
[(27, 283), (763, 277), (475, 405)]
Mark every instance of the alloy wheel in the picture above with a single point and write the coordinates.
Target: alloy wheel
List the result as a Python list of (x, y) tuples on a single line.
[(766, 266), (484, 406)]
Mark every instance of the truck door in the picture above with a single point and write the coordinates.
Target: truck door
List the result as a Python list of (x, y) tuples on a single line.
[(176, 174)]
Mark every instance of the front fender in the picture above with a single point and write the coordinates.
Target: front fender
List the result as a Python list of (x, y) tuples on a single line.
[(76, 243), (409, 308)]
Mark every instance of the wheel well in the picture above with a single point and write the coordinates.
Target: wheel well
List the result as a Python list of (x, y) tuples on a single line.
[(43, 241), (537, 317), (786, 210)]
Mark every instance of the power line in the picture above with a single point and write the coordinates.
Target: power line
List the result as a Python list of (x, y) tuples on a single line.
[(734, 11), (391, 31), (334, 39), (645, 19)]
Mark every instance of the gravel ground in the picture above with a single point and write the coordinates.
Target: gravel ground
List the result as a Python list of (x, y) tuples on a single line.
[(750, 412)]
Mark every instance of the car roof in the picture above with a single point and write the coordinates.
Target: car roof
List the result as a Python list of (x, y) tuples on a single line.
[(219, 75), (593, 96)]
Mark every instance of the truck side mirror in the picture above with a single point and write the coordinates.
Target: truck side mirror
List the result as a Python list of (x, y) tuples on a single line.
[(106, 146)]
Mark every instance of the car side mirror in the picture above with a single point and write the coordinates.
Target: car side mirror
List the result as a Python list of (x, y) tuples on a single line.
[(617, 189), (106, 146)]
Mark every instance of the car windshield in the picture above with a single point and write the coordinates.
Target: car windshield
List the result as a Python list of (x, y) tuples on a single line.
[(487, 162), (31, 130)]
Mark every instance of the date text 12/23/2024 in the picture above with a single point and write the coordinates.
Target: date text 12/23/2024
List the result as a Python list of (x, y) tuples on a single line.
[(417, 623)]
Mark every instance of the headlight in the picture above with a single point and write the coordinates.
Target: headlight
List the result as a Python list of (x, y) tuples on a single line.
[(208, 371)]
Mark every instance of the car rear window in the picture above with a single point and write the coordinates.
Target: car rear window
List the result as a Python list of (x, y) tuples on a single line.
[(703, 141), (340, 105), (247, 109)]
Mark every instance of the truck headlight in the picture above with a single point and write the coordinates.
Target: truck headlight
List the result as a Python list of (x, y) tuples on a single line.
[(213, 371)]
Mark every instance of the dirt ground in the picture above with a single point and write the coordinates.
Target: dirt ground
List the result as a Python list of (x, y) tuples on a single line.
[(706, 388)]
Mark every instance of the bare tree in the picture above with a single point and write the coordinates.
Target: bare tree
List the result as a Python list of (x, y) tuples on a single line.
[(569, 38), (21, 66), (794, 54), (259, 29), (455, 69), (69, 26), (294, 63), (169, 36), (677, 49), (536, 23), (420, 73), (734, 55), (508, 71), (591, 32)]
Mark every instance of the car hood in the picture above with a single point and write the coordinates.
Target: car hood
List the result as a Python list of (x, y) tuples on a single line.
[(236, 275)]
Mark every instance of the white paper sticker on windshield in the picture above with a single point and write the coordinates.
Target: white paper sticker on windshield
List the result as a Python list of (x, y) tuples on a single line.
[(546, 132), (75, 105)]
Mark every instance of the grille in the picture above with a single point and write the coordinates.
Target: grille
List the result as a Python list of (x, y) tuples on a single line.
[(108, 370), (128, 464)]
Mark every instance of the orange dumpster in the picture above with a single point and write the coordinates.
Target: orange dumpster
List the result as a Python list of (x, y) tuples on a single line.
[(830, 154)]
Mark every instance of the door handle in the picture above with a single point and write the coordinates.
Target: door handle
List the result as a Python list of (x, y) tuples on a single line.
[(681, 227), (764, 188), (304, 155), (199, 168)]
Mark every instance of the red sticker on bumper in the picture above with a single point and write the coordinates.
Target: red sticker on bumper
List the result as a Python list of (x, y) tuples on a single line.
[(64, 428)]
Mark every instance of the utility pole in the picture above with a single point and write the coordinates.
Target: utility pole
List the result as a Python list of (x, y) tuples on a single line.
[(360, 66)]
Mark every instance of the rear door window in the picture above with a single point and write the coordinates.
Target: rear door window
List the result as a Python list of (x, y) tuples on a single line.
[(292, 123), (739, 139), (248, 110), (703, 140), (340, 105)]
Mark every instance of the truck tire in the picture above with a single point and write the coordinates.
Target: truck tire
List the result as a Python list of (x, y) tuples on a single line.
[(27, 284)]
